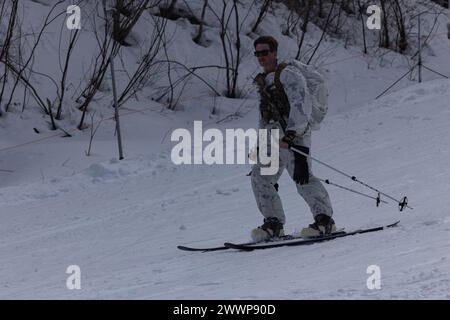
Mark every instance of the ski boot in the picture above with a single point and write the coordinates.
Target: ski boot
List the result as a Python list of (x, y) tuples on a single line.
[(271, 228), (323, 225)]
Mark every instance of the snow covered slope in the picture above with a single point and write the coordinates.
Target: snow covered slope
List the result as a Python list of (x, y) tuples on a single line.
[(120, 222), (352, 77)]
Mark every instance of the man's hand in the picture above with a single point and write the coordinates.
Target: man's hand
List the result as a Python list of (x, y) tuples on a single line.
[(287, 140), (284, 145)]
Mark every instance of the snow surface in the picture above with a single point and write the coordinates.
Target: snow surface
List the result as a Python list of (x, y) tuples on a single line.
[(120, 221)]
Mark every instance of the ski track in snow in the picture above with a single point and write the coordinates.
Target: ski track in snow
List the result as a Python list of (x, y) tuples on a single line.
[(121, 221)]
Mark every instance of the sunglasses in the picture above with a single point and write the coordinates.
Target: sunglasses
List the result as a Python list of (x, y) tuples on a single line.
[(262, 53)]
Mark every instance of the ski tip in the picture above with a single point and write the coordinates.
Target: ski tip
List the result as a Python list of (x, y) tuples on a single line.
[(393, 224), (189, 249), (228, 244)]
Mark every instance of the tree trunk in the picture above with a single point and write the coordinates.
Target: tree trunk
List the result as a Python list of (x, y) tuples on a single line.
[(403, 41), (304, 26), (385, 42), (363, 26), (198, 38), (262, 13)]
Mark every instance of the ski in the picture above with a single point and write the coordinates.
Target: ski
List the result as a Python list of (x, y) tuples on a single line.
[(222, 247), (299, 242), (287, 237)]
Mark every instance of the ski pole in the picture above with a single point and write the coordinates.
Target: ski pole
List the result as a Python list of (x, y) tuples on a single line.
[(377, 199), (401, 203)]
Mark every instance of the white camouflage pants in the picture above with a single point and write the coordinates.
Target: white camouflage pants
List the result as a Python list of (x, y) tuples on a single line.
[(268, 200)]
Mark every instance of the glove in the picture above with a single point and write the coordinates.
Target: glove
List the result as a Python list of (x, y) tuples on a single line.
[(301, 169), (289, 137)]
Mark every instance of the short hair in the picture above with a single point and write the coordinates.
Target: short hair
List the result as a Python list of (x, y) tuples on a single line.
[(273, 44)]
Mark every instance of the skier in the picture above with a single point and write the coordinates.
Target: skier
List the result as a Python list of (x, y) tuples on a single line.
[(285, 104)]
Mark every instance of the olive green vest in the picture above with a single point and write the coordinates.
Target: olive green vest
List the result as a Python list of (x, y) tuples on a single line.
[(274, 103)]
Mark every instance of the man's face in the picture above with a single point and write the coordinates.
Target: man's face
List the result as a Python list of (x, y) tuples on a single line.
[(266, 58)]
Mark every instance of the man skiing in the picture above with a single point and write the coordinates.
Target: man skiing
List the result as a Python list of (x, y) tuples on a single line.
[(285, 104)]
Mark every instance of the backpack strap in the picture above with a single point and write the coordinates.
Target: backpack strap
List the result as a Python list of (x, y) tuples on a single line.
[(277, 80), (281, 93)]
